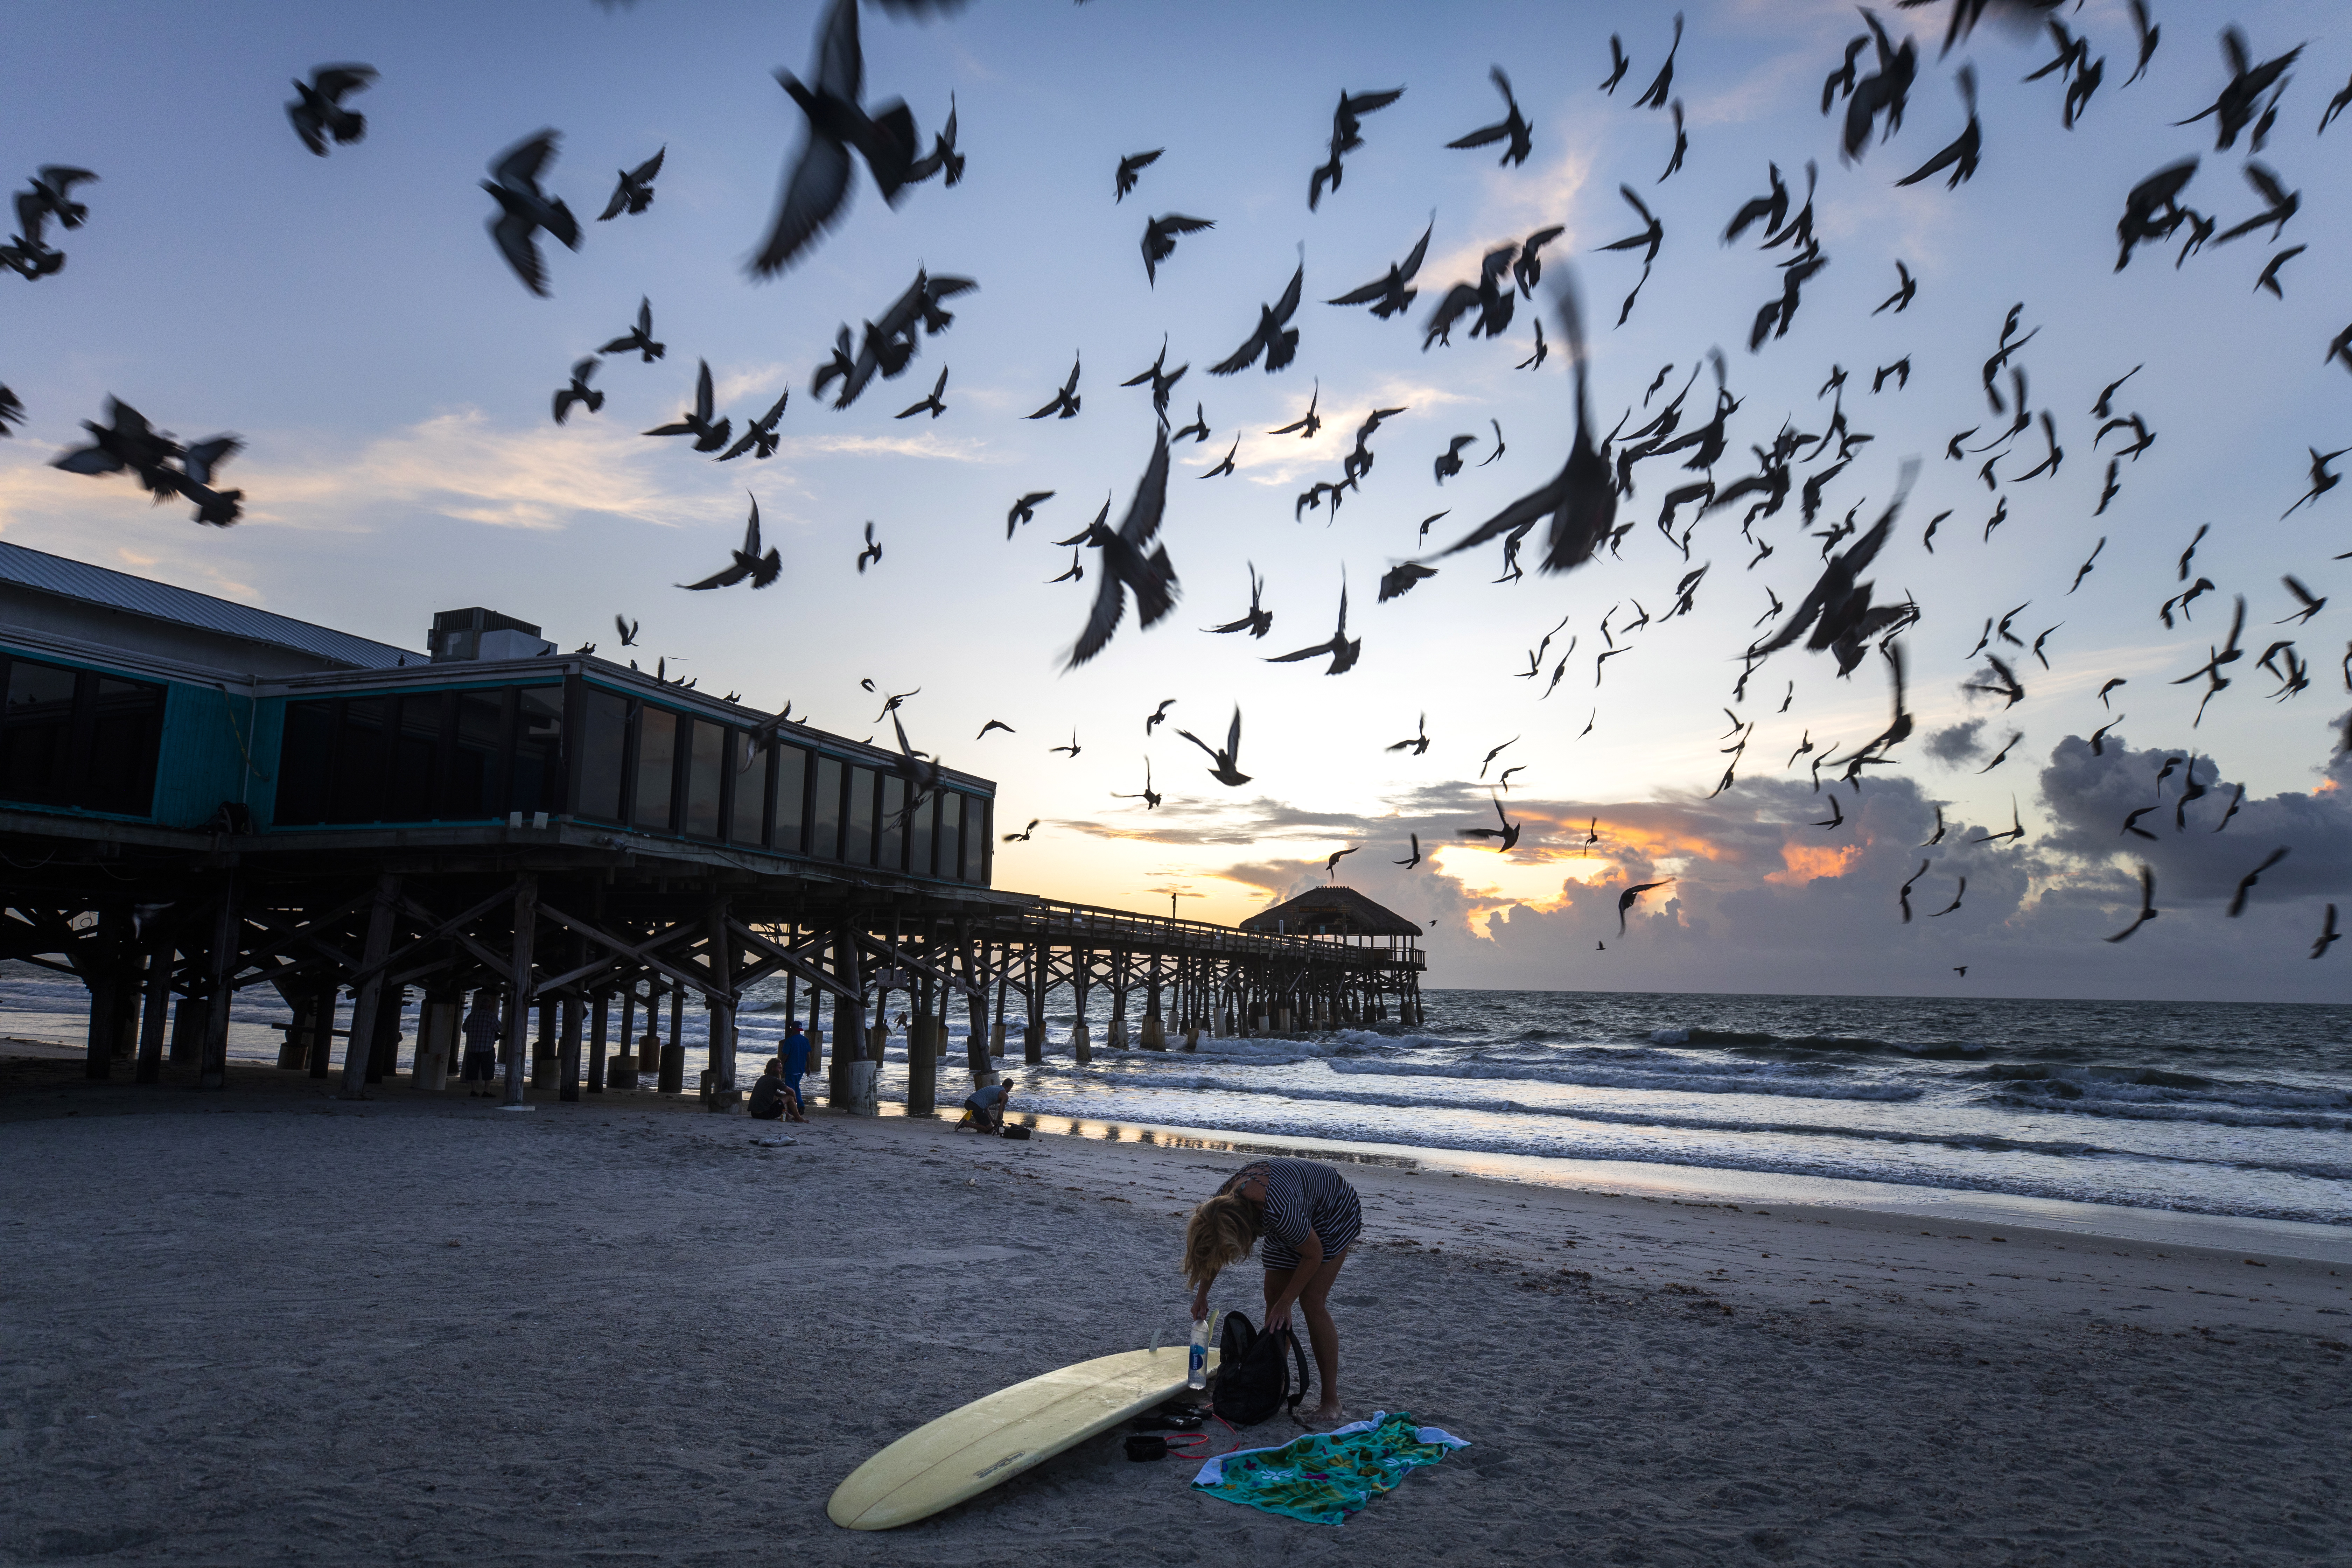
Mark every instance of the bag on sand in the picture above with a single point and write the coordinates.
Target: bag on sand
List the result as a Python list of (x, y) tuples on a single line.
[(1252, 1380)]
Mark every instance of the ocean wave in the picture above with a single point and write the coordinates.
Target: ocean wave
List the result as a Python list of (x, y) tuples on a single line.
[(1854, 1045), (1669, 1074)]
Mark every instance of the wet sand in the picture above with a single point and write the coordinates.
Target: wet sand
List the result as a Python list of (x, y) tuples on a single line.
[(266, 1325)]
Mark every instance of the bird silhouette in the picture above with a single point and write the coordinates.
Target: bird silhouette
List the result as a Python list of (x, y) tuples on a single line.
[(1900, 300), (1162, 381), (708, 436), (1023, 836), (761, 568), (996, 725), (1513, 129), (1509, 834), (524, 209), (1159, 236), (1306, 426), (1347, 135), (2322, 480), (1227, 758), (2235, 107), (1274, 337), (633, 192), (1024, 509), (1331, 867), (578, 391), (1158, 716), (760, 436), (817, 187), (1654, 95), (1072, 747), (931, 403), (943, 157), (1065, 403), (319, 112), (1343, 649), (1414, 859), (640, 337), (1903, 896), (1417, 742), (1959, 893), (1259, 620), (1125, 565), (1129, 167), (1625, 900), (2328, 935), (872, 554), (1389, 294), (2246, 883), (1149, 798), (1961, 154)]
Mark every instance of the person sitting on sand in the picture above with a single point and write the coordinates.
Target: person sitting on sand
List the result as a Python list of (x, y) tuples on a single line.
[(770, 1097), (985, 1108), (1308, 1217), (482, 1029)]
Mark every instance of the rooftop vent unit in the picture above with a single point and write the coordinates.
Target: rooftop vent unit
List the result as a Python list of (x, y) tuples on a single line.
[(480, 634)]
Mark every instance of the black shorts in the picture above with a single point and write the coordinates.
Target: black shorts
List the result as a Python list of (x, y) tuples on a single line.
[(481, 1067)]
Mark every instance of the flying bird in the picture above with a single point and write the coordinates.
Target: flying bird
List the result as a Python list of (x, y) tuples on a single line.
[(931, 403), (1023, 836), (319, 112), (1228, 758), (1072, 747), (708, 437), (1961, 154), (1399, 580), (996, 725), (2322, 480), (1274, 337), (639, 337), (1417, 742), (2328, 934), (2269, 280), (760, 436), (1259, 620), (1198, 429), (872, 554), (1618, 65), (1347, 135), (2246, 883), (1654, 95), (1415, 860), (1065, 403), (1149, 798), (942, 156), (1162, 381), (1025, 510), (816, 189), (1957, 894), (2310, 606), (1901, 298), (578, 391), (1124, 563), (1513, 129), (1225, 467), (1389, 294), (1509, 833), (524, 209), (1158, 716), (1129, 167), (1343, 649), (761, 568), (1625, 900), (1306, 426), (635, 191), (1159, 235), (1331, 867), (1449, 462)]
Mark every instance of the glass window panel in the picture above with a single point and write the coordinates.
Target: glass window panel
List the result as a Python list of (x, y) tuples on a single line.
[(706, 763), (894, 823), (473, 759), (857, 845), (356, 793), (791, 796), (951, 835), (304, 761), (979, 837), (824, 811), (751, 763), (604, 749), (415, 746), (919, 836), (127, 725), (656, 752), (35, 739), (536, 780)]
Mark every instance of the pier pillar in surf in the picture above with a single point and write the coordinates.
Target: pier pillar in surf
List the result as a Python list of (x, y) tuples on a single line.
[(544, 1066), (1082, 1045), (322, 1050), (924, 1036), (519, 981), (155, 1015), (596, 1042), (296, 998), (368, 983), (436, 1035), (568, 1052), (721, 1003), (855, 1059), (673, 1051), (212, 1066), (98, 957)]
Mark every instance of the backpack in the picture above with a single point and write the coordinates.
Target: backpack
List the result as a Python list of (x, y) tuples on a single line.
[(1252, 1379)]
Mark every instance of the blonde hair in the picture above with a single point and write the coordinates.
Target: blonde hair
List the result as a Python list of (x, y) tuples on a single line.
[(1222, 1231)]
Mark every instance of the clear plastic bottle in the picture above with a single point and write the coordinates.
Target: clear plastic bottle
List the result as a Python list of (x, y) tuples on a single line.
[(1197, 1374)]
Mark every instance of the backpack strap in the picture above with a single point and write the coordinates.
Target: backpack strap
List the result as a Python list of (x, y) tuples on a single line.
[(1297, 1356)]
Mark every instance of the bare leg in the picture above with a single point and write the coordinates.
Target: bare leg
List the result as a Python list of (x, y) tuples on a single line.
[(1322, 1334)]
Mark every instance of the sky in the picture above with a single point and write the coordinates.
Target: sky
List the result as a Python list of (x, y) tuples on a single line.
[(348, 317)]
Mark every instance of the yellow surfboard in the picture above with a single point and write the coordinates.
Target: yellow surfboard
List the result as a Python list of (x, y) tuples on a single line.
[(967, 1451)]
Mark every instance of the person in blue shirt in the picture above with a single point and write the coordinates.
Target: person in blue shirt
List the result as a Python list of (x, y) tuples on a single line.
[(795, 1057), (985, 1108)]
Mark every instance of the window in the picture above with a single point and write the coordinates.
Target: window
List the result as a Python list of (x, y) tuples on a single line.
[(857, 845), (979, 837), (76, 738), (656, 754), (604, 752), (355, 793), (824, 811), (919, 837), (304, 760), (478, 757), (413, 786), (537, 779), (894, 823), (792, 797), (951, 836), (706, 764), (750, 766)]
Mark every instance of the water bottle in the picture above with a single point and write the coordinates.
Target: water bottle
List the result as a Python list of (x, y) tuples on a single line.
[(1197, 1373)]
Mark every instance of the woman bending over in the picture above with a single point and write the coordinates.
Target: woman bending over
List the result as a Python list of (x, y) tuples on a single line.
[(1308, 1217)]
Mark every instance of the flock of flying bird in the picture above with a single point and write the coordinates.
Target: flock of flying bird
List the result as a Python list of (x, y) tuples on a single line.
[(1579, 509)]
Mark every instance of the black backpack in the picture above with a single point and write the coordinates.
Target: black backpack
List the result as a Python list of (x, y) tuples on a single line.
[(1252, 1380)]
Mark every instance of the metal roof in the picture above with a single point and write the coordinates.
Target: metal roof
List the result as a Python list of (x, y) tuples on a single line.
[(1333, 910), (159, 601)]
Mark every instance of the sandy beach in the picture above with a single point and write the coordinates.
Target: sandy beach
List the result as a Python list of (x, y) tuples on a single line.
[(266, 1325)]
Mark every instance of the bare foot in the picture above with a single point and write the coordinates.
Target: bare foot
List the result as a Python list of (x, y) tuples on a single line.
[(1323, 1417)]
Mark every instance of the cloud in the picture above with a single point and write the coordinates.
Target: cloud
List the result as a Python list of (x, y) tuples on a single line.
[(1956, 744)]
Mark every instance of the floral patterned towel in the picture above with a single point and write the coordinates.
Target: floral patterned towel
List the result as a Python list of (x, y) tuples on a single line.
[(1325, 1475)]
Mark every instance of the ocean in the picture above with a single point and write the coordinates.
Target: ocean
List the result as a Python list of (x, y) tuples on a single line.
[(2223, 1109)]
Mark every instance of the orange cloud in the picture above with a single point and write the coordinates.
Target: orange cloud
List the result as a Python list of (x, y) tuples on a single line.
[(1803, 863)]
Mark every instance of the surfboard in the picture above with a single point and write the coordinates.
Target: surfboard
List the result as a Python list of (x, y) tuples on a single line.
[(994, 1438)]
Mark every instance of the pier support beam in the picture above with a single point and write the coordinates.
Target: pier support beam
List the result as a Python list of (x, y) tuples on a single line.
[(359, 1050), (519, 983)]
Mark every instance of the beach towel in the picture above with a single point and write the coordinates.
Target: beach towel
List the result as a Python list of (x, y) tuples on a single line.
[(1324, 1477)]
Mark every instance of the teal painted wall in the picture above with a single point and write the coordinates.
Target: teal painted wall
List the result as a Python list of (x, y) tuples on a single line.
[(206, 734)]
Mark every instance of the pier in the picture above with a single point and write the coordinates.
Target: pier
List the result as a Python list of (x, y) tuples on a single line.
[(198, 797)]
